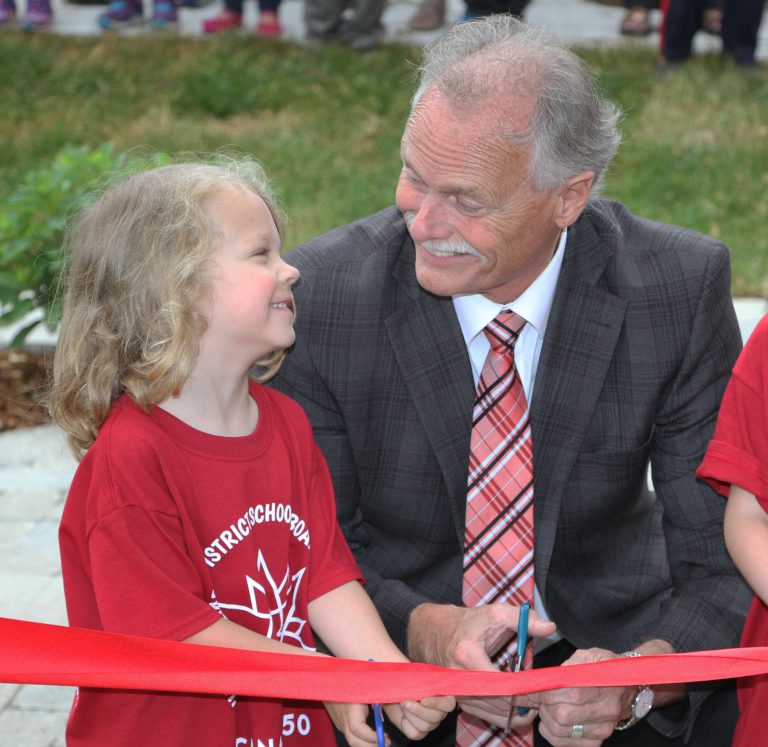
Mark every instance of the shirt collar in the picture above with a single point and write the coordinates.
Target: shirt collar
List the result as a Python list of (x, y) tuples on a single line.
[(534, 304)]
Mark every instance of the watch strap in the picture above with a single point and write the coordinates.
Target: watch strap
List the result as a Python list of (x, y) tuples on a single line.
[(641, 691)]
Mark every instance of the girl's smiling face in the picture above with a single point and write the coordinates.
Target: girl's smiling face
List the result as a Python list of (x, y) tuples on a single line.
[(250, 306)]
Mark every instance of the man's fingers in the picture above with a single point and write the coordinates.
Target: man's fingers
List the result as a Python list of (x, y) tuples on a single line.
[(563, 733), (538, 628), (492, 710)]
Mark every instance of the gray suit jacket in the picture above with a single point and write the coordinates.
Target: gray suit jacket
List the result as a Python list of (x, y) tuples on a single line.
[(640, 343)]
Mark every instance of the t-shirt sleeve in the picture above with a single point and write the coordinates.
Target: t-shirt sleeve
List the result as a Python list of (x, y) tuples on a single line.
[(144, 581), (332, 562), (738, 452)]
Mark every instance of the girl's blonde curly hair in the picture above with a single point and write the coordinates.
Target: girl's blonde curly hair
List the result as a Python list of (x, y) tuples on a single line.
[(138, 268)]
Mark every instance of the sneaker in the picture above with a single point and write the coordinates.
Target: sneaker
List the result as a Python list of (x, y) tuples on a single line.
[(164, 17), (268, 24), (122, 14), (38, 16), (7, 12), (227, 20)]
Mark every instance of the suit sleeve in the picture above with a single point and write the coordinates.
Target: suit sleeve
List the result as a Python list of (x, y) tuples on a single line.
[(706, 585)]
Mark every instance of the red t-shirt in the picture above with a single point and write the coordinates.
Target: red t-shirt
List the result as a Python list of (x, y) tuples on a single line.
[(166, 529), (738, 455)]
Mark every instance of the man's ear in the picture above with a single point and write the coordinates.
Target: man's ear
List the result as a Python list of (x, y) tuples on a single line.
[(573, 198)]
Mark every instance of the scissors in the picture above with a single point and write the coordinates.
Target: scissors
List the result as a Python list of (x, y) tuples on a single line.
[(522, 643)]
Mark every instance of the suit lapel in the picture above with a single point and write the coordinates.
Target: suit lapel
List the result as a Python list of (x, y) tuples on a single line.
[(428, 345), (582, 332), (583, 328)]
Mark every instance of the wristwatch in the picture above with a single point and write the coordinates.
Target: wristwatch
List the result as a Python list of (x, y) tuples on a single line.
[(641, 704)]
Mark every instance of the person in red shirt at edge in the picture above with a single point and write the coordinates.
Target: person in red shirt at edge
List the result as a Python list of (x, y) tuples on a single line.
[(736, 465), (202, 509)]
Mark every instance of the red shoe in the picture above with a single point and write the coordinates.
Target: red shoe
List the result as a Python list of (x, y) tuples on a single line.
[(268, 24), (227, 20)]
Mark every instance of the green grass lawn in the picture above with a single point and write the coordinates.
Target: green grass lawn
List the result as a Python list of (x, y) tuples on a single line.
[(326, 124)]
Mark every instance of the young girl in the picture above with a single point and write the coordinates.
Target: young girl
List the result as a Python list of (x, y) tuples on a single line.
[(736, 464), (202, 510)]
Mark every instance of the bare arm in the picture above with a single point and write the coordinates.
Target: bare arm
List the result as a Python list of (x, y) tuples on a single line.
[(746, 537), (346, 620), (347, 717), (231, 635), (350, 626), (348, 623)]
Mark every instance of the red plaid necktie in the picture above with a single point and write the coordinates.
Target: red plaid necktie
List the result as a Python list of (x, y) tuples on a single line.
[(498, 549)]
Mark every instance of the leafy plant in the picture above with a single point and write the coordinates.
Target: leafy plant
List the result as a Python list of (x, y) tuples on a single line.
[(32, 227)]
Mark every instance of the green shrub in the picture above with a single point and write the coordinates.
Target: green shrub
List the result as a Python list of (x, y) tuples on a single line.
[(32, 226)]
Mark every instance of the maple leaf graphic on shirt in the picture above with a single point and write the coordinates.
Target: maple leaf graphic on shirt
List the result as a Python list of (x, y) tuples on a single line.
[(274, 602)]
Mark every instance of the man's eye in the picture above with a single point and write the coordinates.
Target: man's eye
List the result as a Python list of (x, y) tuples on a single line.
[(413, 180), (466, 206)]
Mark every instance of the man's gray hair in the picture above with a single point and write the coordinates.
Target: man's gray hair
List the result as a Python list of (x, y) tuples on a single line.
[(498, 58)]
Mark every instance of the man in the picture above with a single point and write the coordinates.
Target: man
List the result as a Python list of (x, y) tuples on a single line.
[(627, 342)]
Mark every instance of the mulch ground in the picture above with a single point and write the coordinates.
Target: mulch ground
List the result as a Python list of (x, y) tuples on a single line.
[(23, 376)]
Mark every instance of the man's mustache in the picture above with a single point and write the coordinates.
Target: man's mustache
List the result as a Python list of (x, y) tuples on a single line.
[(444, 246)]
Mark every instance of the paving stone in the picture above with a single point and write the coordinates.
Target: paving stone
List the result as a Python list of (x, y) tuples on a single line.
[(32, 597), (38, 729), (29, 505), (44, 698), (42, 445), (7, 694), (30, 547)]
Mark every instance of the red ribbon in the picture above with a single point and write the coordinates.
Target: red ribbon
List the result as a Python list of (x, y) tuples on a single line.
[(41, 654)]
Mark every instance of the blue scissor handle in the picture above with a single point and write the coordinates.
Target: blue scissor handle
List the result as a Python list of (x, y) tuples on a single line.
[(522, 642), (379, 720)]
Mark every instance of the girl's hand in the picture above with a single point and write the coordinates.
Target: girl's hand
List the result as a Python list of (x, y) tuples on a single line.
[(417, 718), (350, 720)]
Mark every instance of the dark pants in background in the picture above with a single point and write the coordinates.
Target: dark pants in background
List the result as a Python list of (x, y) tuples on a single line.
[(741, 22)]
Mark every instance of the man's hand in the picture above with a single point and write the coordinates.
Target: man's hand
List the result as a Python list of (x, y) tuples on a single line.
[(466, 638), (597, 709)]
